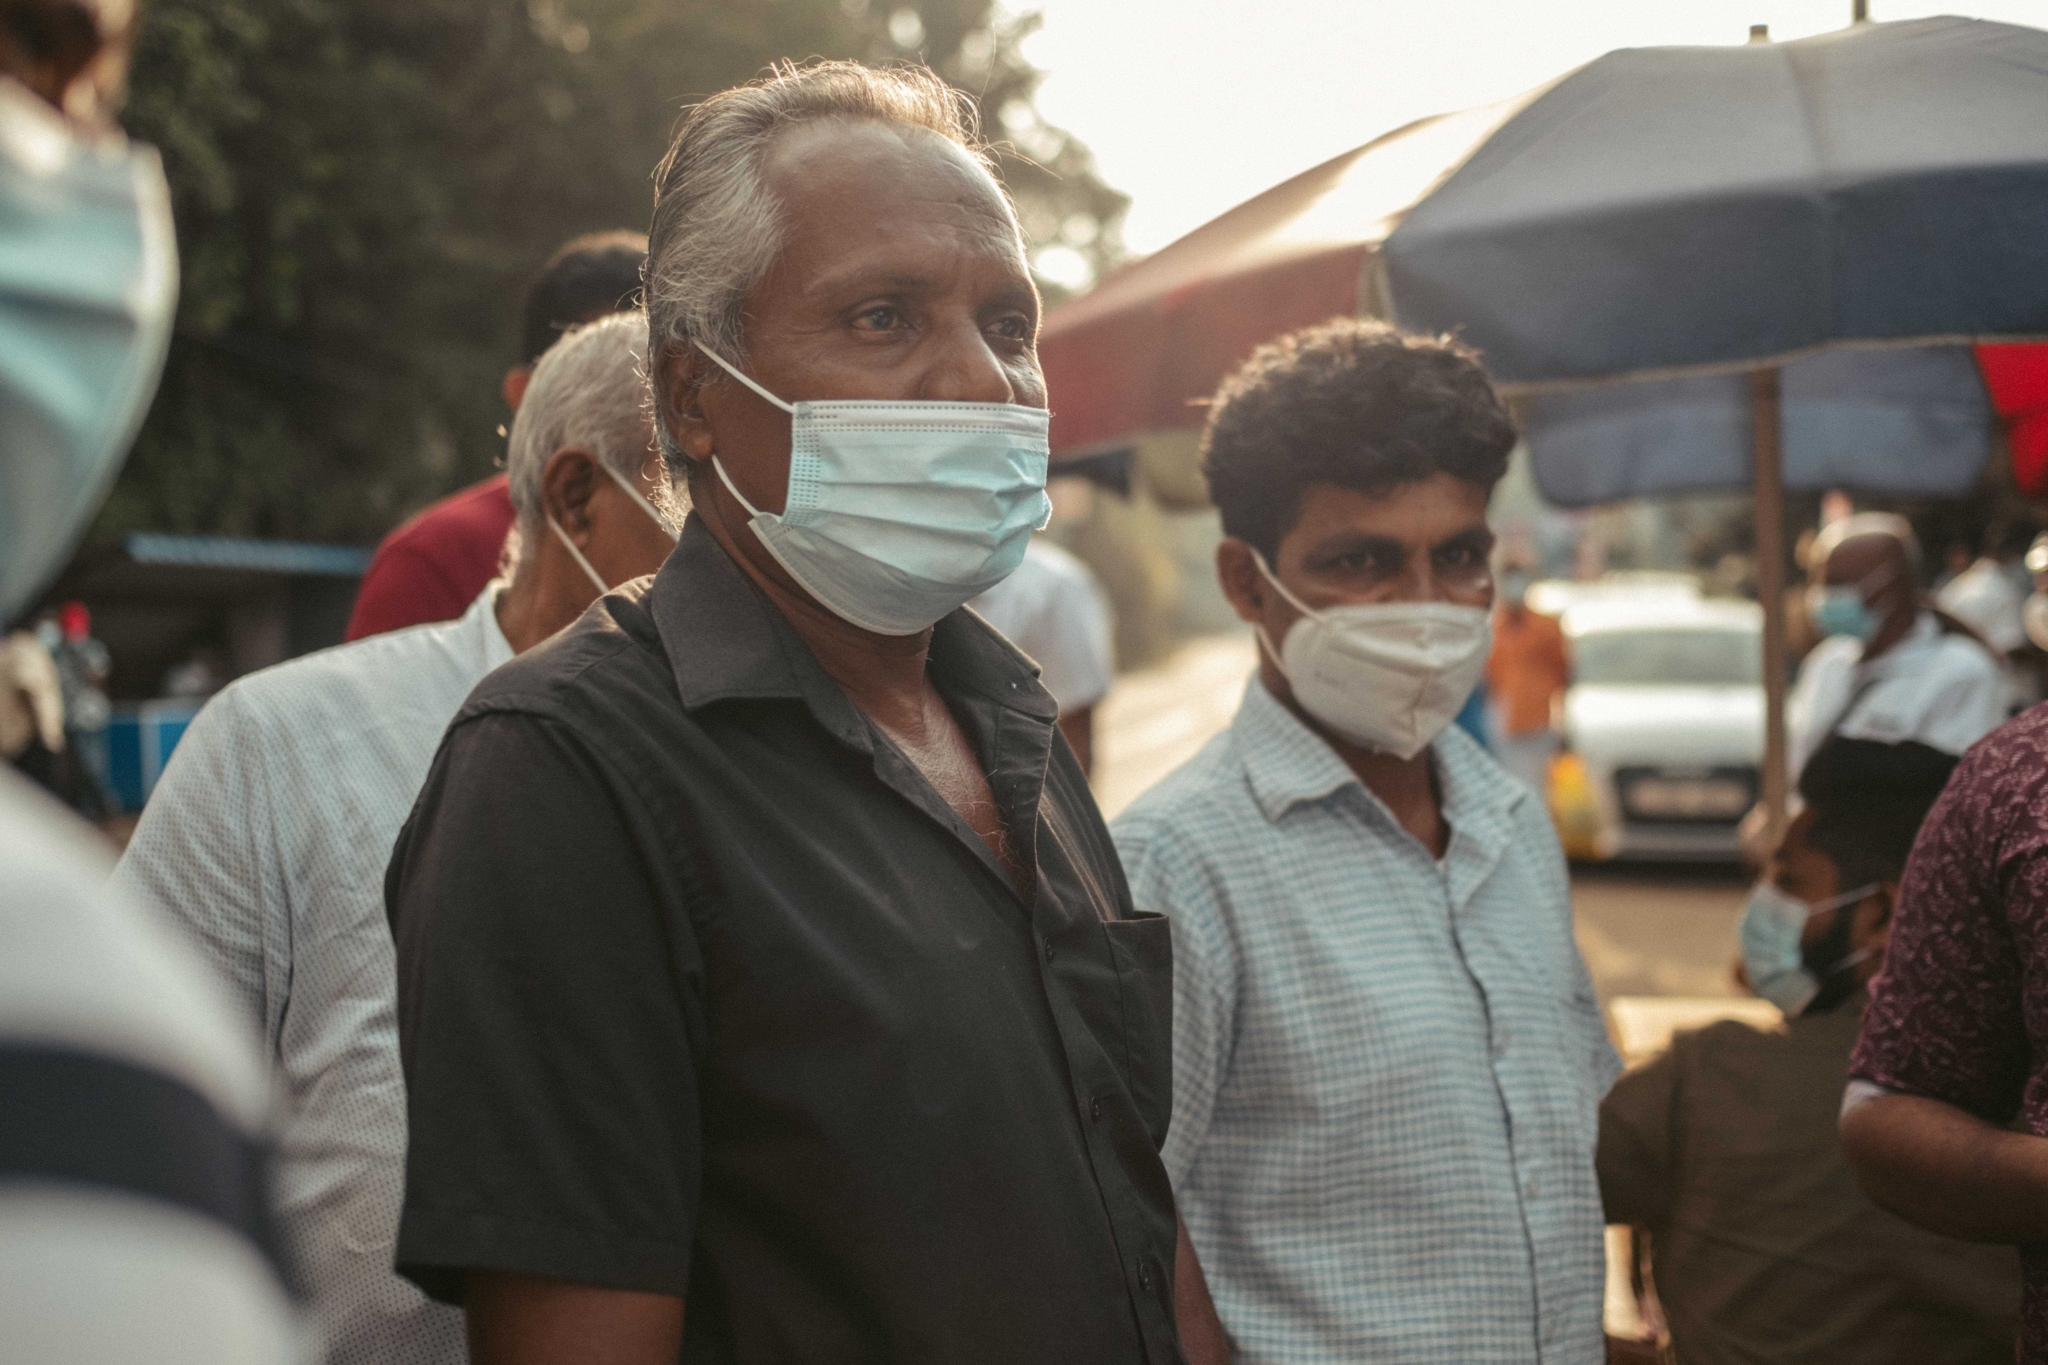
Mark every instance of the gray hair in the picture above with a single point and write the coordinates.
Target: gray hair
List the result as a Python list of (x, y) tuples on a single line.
[(716, 227), (588, 391)]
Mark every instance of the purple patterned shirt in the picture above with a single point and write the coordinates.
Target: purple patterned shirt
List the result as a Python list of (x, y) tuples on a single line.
[(1960, 1012)]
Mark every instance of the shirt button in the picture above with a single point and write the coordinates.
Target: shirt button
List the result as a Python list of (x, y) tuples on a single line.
[(1532, 1187), (1048, 950), (1500, 1043), (1095, 1110), (1145, 1275)]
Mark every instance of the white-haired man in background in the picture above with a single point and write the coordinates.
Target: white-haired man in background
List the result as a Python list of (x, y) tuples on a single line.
[(268, 835), (1889, 667)]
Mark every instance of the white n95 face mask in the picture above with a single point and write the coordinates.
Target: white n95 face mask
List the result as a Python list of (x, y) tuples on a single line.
[(1383, 675), (900, 512)]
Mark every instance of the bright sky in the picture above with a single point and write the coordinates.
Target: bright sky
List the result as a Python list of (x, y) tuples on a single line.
[(1191, 106)]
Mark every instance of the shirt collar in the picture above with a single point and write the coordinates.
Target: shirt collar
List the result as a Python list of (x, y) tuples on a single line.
[(725, 640), (1924, 631), (1287, 764)]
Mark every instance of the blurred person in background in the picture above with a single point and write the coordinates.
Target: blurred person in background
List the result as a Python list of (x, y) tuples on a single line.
[(1525, 677), (1989, 596), (1725, 1148), (1387, 1050), (83, 664), (432, 567), (134, 1220), (31, 697), (1053, 609), (1888, 667), (768, 987), (1945, 1118), (268, 835)]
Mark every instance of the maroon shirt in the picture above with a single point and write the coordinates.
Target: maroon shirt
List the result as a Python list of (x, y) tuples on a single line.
[(1960, 1012), (432, 567)]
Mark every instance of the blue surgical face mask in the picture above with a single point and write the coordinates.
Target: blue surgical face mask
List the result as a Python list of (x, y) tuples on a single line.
[(898, 513), (1843, 608), (88, 284), (1840, 611), (1773, 922)]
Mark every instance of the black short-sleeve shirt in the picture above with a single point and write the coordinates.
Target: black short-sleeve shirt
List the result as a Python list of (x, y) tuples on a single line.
[(704, 991)]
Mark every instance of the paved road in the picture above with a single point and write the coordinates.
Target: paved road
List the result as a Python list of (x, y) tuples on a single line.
[(1644, 930), (1647, 930)]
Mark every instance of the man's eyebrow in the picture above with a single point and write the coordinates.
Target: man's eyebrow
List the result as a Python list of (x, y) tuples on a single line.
[(1350, 542), (869, 279), (1481, 534)]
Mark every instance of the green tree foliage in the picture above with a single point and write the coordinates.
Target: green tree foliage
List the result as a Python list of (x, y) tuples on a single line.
[(364, 187)]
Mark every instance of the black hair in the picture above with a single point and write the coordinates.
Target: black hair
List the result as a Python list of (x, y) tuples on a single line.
[(1868, 801), (584, 280), (1351, 402)]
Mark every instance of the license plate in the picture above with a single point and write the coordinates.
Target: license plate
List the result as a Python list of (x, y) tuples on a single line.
[(1688, 798)]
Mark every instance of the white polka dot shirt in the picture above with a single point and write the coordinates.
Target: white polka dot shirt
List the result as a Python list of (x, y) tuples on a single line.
[(267, 838)]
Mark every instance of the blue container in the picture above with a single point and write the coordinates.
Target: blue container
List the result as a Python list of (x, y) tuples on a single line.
[(139, 739)]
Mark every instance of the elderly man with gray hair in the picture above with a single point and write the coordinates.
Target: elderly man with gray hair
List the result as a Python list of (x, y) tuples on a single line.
[(769, 988), (268, 835)]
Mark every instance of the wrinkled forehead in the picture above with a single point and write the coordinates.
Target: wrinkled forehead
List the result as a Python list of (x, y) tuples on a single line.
[(847, 187)]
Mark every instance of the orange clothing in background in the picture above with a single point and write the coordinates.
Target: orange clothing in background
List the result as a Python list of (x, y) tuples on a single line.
[(1529, 666)]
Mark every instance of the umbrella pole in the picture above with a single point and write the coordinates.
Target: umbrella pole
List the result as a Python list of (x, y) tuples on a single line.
[(1766, 411)]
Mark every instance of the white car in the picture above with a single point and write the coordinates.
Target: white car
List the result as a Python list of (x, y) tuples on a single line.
[(1666, 711)]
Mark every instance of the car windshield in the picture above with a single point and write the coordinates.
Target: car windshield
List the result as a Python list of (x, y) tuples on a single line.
[(1675, 657)]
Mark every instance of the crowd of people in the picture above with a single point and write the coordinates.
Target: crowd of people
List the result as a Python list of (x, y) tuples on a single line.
[(679, 926)]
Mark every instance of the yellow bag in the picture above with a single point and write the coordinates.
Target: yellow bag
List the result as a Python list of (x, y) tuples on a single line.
[(1573, 808)]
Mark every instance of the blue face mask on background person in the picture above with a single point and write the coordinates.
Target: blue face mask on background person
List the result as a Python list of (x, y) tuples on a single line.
[(1840, 611), (899, 513), (88, 286), (1773, 921), (1842, 608)]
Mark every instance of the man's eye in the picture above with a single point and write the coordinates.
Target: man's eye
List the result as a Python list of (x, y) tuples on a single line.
[(1015, 327), (881, 318)]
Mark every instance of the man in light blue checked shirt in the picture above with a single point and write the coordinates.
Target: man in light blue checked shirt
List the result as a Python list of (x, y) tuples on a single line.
[(1388, 1055)]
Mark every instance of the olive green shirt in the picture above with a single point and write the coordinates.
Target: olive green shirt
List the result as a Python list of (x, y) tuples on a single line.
[(1725, 1149)]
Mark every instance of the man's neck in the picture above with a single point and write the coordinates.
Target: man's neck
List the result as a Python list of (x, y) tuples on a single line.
[(1407, 786), (534, 606), (1894, 630), (884, 675)]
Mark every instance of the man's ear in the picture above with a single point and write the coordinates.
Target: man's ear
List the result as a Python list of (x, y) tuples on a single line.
[(1871, 925), (516, 380), (1237, 572), (567, 482), (678, 388)]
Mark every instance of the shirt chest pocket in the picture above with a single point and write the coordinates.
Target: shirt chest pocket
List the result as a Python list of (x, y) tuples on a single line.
[(1141, 948)]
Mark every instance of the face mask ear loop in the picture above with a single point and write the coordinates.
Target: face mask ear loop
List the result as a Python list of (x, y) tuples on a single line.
[(732, 488), (576, 554), (1845, 898), (1304, 608), (636, 495), (732, 370)]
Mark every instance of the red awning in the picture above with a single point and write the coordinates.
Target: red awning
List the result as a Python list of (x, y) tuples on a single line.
[(2017, 377)]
